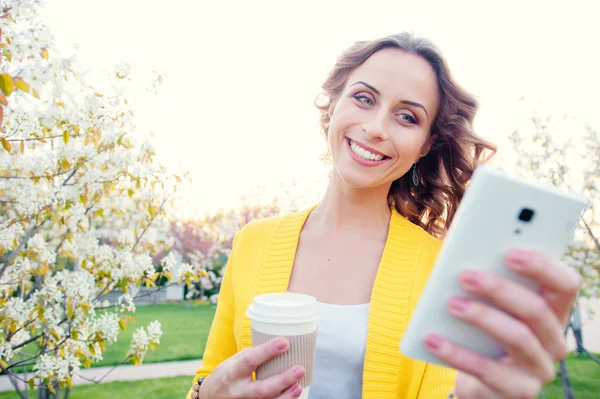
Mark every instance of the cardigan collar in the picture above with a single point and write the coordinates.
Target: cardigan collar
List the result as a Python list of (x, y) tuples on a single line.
[(390, 298)]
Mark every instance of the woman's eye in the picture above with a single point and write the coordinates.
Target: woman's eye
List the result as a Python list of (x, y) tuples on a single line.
[(408, 118), (364, 99)]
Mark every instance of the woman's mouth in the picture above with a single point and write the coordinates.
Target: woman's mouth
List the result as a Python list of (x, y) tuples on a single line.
[(365, 156)]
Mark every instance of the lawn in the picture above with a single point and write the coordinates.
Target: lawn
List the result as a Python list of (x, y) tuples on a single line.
[(185, 330), (161, 388), (585, 377)]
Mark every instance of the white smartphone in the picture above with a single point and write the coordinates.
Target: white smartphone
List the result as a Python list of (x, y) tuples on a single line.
[(496, 214)]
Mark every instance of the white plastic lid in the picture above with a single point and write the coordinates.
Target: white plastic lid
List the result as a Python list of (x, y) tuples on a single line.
[(283, 308)]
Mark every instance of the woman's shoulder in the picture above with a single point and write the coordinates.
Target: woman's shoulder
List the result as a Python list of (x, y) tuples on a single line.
[(260, 230), (257, 229)]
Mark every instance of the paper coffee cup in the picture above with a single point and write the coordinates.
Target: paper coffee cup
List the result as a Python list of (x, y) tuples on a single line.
[(289, 315)]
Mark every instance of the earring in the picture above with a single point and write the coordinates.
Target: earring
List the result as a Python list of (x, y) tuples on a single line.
[(415, 175)]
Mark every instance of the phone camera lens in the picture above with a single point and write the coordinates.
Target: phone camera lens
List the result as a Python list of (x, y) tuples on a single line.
[(526, 215)]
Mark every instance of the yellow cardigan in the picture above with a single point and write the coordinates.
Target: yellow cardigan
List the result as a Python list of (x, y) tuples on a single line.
[(261, 261)]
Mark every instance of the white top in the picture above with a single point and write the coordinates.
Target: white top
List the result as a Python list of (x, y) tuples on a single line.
[(341, 344)]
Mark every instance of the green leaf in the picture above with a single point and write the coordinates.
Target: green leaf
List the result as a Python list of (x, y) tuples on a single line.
[(5, 144), (123, 323), (31, 384), (66, 137), (50, 387), (21, 85), (7, 84)]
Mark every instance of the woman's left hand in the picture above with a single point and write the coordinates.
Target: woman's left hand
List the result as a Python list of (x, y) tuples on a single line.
[(529, 324)]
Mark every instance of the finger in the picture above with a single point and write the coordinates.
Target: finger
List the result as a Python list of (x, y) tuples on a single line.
[(249, 359), (292, 392), (550, 274), (515, 336), (522, 303), (559, 284), (280, 385), (507, 381)]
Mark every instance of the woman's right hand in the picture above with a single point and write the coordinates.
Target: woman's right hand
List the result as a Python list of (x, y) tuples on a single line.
[(232, 379)]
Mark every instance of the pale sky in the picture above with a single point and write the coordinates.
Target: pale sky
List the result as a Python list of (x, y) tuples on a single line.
[(237, 107)]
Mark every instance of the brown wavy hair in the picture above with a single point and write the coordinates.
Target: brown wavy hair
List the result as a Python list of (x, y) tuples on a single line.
[(446, 170)]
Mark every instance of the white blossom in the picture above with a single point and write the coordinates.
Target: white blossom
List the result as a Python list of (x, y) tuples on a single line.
[(169, 262), (154, 332), (6, 352), (126, 303), (82, 208), (108, 325)]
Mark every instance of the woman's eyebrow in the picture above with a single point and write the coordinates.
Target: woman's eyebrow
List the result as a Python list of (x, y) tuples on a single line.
[(414, 104)]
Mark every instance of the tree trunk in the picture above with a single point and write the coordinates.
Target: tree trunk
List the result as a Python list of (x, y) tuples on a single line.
[(564, 379), (44, 392)]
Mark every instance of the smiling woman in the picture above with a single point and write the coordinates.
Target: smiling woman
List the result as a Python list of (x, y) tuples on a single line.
[(449, 150), (400, 138)]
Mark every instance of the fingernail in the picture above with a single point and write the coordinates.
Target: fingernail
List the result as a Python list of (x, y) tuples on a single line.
[(297, 391), (298, 372), (280, 344), (518, 258), (457, 305), (471, 279), (433, 342)]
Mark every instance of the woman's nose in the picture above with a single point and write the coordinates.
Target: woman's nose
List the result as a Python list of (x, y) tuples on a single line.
[(377, 128)]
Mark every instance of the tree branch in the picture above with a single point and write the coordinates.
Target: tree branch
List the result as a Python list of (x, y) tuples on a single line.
[(14, 381), (107, 373), (591, 233), (37, 138), (149, 224), (20, 246), (30, 340)]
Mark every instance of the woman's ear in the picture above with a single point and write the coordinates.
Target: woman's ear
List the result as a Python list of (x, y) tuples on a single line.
[(331, 108), (427, 146)]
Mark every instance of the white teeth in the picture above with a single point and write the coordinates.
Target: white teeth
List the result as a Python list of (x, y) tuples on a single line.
[(364, 154)]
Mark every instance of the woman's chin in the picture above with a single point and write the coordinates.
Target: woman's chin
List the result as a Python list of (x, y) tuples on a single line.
[(359, 180)]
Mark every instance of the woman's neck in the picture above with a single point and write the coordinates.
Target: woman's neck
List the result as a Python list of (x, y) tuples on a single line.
[(348, 208)]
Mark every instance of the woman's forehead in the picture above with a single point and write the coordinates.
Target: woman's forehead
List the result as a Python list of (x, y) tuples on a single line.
[(394, 72)]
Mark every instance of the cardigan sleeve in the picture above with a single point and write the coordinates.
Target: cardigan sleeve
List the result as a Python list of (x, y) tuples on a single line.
[(221, 343), (438, 382)]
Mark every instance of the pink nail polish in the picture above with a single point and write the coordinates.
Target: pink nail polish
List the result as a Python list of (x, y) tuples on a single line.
[(471, 279), (433, 342), (297, 391), (457, 305), (298, 372), (518, 258), (280, 345)]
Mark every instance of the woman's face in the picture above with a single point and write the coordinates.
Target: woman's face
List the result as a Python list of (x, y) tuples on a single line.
[(380, 124)]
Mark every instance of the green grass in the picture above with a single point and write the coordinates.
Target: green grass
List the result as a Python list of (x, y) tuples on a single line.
[(185, 330), (585, 377), (161, 388)]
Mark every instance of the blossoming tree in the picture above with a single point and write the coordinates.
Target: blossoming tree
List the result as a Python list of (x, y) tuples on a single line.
[(205, 244), (571, 161), (82, 204)]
